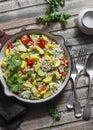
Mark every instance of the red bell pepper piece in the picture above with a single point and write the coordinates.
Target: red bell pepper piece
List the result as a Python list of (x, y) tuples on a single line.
[(10, 45), (41, 43), (30, 63), (27, 40), (63, 74), (41, 88), (64, 61)]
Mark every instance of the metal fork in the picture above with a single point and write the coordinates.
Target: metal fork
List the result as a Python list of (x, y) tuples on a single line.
[(73, 99), (80, 65), (72, 77)]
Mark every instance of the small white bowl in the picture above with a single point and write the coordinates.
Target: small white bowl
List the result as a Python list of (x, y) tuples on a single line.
[(85, 21)]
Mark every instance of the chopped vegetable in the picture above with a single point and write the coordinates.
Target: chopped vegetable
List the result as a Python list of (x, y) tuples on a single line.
[(24, 64), (37, 66), (7, 52), (10, 45), (57, 75), (50, 45), (26, 40), (40, 72), (3, 64), (42, 88), (34, 57), (57, 63), (63, 73), (41, 43), (21, 48), (45, 38), (41, 52), (30, 63), (48, 79), (24, 56)]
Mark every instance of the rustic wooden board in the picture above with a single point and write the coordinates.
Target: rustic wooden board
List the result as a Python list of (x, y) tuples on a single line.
[(17, 14), (45, 120), (18, 17), (75, 126)]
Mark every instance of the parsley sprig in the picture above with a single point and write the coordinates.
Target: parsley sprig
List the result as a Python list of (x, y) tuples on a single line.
[(14, 80), (53, 111), (13, 64), (53, 14)]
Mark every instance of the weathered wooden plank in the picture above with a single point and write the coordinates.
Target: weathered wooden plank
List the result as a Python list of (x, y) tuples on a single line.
[(81, 125), (32, 12), (38, 118), (44, 121), (42, 109), (31, 21), (18, 4)]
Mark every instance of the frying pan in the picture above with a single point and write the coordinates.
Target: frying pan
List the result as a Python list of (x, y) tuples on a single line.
[(5, 39)]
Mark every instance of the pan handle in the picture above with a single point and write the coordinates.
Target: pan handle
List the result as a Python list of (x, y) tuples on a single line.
[(3, 38), (60, 38)]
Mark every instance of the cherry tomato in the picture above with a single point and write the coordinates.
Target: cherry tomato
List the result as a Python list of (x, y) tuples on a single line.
[(41, 43), (42, 88), (10, 45), (30, 63), (63, 73)]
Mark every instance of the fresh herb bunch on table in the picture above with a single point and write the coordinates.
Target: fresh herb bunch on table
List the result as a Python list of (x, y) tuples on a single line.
[(53, 14)]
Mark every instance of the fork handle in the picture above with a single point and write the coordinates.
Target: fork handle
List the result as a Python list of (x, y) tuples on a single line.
[(73, 96), (76, 104), (70, 101), (77, 109), (87, 108), (74, 86)]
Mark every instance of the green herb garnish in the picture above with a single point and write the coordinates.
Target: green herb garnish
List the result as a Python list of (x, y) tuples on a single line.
[(14, 80), (13, 64), (52, 110), (53, 13)]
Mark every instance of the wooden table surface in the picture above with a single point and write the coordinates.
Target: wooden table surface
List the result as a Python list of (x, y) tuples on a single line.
[(17, 14)]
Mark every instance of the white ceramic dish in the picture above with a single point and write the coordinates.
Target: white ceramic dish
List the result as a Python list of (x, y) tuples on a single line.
[(58, 39), (85, 21)]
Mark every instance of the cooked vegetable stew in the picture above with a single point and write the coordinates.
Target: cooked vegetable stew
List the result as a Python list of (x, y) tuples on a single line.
[(34, 66)]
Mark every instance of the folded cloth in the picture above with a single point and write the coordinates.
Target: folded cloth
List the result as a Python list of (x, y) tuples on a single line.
[(11, 111)]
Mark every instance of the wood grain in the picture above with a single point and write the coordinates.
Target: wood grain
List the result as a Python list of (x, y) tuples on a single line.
[(28, 15), (17, 14)]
